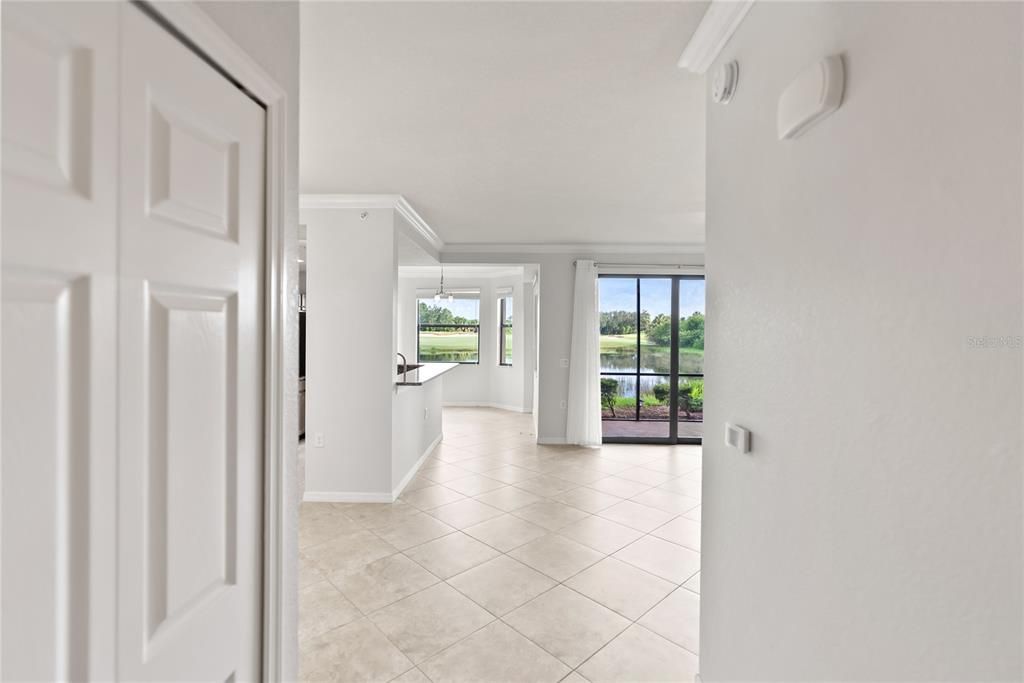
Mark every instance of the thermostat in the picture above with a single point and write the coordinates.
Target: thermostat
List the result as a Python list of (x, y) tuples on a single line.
[(815, 94)]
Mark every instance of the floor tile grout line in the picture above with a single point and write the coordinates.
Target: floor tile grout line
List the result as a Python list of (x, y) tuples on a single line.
[(550, 497)]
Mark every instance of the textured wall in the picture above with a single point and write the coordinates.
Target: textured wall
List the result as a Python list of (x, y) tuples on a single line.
[(874, 533)]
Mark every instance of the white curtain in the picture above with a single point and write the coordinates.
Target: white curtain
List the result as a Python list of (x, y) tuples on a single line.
[(583, 425)]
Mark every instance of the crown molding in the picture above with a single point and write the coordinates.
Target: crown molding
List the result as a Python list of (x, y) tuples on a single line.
[(399, 204), (405, 210), (395, 202), (606, 248), (720, 21)]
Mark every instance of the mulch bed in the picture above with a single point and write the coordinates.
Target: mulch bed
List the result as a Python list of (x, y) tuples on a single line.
[(650, 413)]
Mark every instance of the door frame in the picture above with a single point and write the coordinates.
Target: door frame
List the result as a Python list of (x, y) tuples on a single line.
[(677, 276), (280, 382)]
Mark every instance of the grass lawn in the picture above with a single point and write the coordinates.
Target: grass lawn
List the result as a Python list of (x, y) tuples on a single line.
[(448, 347), (612, 343)]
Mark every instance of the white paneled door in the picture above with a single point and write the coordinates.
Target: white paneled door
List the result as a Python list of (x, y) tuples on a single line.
[(191, 397), (59, 322), (133, 223)]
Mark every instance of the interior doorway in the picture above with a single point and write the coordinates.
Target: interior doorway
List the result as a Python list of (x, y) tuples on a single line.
[(652, 358)]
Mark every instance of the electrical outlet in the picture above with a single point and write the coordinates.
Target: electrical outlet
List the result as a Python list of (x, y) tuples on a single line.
[(564, 362), (318, 440), (563, 405), (426, 413)]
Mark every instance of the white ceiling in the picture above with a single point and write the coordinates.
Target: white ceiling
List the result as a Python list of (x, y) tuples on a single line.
[(509, 122)]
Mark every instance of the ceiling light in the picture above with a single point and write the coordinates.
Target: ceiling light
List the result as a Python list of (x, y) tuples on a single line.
[(440, 293)]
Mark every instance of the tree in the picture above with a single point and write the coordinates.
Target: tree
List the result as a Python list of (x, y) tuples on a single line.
[(609, 392), (660, 331), (645, 320), (439, 315), (618, 322), (435, 315), (691, 332)]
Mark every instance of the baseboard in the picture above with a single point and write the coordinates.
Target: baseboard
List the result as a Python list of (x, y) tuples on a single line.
[(483, 404), (552, 441), (368, 496), (346, 497), (415, 468)]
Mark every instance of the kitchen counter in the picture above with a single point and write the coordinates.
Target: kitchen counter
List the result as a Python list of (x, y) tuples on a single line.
[(424, 374)]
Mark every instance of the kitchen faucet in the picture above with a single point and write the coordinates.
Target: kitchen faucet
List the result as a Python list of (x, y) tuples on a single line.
[(405, 368)]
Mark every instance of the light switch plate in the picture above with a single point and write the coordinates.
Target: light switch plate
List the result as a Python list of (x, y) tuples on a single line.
[(564, 362), (737, 437)]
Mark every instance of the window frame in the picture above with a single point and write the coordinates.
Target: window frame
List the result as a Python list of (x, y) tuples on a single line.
[(420, 326), (502, 325), (674, 375)]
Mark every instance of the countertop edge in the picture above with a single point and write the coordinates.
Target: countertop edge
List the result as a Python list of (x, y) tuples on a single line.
[(428, 372)]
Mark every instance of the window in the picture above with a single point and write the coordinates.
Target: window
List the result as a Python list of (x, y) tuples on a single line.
[(449, 329), (505, 330), (652, 358)]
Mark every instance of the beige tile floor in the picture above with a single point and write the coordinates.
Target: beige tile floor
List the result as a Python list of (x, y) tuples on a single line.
[(507, 561)]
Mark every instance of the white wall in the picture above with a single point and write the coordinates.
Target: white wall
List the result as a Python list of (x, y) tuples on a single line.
[(416, 428), (486, 383), (269, 33), (350, 302), (556, 278), (874, 533)]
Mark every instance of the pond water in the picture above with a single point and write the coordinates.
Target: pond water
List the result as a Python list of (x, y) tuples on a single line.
[(652, 359)]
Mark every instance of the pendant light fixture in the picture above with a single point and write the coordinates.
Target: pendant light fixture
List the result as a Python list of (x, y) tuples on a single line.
[(440, 293)]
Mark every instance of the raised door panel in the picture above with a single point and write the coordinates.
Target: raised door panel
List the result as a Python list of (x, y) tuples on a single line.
[(191, 511), (191, 383), (60, 133), (193, 174), (45, 499), (58, 320)]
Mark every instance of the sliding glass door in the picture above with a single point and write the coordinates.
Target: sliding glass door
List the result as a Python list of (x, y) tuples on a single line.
[(652, 358)]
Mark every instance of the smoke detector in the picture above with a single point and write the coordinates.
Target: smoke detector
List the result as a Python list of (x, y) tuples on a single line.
[(723, 83)]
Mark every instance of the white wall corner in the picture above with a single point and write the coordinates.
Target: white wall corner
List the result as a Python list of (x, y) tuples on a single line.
[(415, 468), (720, 21), (404, 208)]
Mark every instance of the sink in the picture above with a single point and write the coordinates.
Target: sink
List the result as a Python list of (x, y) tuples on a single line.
[(411, 366)]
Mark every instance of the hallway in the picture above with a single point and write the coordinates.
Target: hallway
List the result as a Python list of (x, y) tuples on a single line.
[(508, 561)]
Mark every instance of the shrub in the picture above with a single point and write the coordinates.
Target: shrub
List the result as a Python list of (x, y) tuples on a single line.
[(697, 394), (691, 396), (662, 392), (609, 389)]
